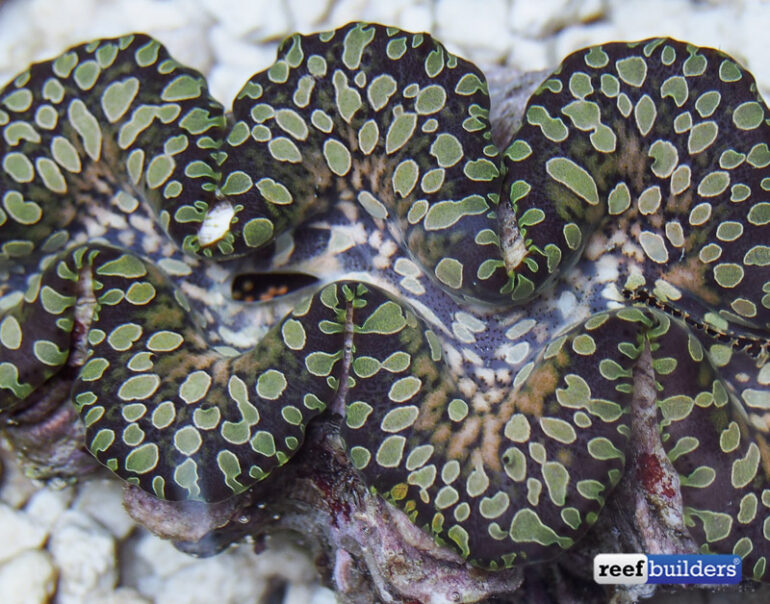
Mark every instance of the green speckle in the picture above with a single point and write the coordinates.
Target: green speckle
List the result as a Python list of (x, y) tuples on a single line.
[(729, 71), (702, 136), (187, 440), (399, 418), (271, 384), (470, 84), (430, 100), (18, 101), (236, 183), (748, 115), (391, 451), (552, 128), (450, 272), (283, 149), (139, 387), (195, 387), (574, 177), (356, 41), (292, 123), (404, 389), (348, 99), (632, 70), (181, 88), (87, 126), (400, 131), (23, 212), (122, 338), (18, 167), (405, 177), (337, 157), (263, 443), (645, 114)]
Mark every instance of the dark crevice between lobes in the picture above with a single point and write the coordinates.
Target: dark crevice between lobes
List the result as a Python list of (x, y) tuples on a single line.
[(265, 287)]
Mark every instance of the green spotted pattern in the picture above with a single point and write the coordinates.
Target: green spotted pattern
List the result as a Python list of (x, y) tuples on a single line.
[(487, 368)]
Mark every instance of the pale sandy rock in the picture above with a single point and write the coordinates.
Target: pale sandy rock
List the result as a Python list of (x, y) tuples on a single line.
[(15, 45), (71, 15), (198, 582), (47, 505), (102, 499), (122, 595), (528, 54), (637, 19), (544, 17), (474, 30), (275, 22), (308, 594), (188, 45), (40, 29), (298, 594), (15, 488), (66, 22), (306, 15), (752, 44), (175, 577), (257, 19), (160, 556), (573, 39), (29, 578), (236, 62), (84, 552), (239, 53), (322, 595), (343, 11), (410, 15), (164, 573), (18, 532), (389, 13), (225, 82), (285, 560), (416, 17), (141, 15)]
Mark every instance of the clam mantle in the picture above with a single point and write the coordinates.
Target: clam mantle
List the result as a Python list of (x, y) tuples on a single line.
[(478, 314)]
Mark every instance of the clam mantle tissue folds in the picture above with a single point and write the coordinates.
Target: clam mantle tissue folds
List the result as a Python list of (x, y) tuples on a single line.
[(478, 315)]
